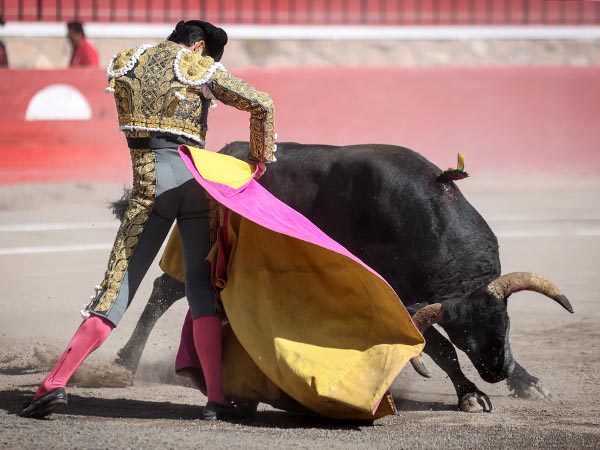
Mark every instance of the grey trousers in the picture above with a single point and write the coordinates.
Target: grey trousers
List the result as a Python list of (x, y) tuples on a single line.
[(163, 191)]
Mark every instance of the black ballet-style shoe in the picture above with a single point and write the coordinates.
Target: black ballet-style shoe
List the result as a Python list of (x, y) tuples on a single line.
[(51, 402), (230, 412)]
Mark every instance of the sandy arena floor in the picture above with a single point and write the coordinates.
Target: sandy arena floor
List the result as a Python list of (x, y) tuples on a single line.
[(54, 243)]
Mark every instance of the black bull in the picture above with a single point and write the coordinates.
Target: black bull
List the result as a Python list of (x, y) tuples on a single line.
[(385, 205)]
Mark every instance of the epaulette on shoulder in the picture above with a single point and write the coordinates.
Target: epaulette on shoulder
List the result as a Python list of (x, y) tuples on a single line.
[(193, 68), (124, 61), (452, 174)]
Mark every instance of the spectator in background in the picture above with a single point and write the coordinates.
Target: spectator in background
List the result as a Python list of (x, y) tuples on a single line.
[(84, 53), (3, 55)]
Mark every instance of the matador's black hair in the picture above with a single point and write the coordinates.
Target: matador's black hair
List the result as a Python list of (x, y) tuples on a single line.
[(192, 31)]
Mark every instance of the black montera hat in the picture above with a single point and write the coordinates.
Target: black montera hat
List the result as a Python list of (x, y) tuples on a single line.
[(193, 30)]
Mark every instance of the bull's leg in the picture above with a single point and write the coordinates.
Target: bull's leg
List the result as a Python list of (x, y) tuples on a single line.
[(166, 291), (523, 384), (470, 399)]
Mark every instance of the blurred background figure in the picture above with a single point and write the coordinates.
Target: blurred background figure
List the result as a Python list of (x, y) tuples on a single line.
[(3, 55), (84, 54)]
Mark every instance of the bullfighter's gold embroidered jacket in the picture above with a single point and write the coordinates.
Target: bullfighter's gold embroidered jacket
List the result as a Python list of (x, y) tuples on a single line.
[(168, 88)]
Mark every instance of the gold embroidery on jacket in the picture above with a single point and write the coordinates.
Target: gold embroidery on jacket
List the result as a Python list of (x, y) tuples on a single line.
[(163, 93), (237, 93), (138, 212), (150, 96)]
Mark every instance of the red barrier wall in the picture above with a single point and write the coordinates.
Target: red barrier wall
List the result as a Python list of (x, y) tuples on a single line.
[(502, 119)]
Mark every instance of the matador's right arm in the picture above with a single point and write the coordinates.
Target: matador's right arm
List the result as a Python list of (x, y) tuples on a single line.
[(235, 92)]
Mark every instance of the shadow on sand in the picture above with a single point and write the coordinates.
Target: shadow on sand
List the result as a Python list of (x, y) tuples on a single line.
[(407, 405), (12, 401)]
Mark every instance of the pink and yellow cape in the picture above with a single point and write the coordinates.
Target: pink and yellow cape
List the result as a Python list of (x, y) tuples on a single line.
[(312, 324)]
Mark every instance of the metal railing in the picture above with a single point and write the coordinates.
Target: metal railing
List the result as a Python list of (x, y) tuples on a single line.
[(310, 12)]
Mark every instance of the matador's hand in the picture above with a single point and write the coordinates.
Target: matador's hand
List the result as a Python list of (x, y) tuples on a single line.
[(261, 168)]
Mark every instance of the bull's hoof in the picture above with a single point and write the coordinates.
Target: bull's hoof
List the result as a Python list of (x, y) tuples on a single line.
[(124, 364), (529, 390), (125, 360), (475, 402)]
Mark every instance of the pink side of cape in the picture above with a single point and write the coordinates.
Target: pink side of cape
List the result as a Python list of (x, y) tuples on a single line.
[(256, 204)]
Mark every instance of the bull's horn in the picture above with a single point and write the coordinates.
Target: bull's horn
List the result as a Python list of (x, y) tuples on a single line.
[(423, 319), (520, 281), (420, 367), (427, 316)]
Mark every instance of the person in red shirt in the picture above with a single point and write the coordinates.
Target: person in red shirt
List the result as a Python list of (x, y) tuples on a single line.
[(3, 56), (84, 53)]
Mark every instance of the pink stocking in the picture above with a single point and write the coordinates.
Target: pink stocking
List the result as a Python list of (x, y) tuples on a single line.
[(89, 336), (207, 340)]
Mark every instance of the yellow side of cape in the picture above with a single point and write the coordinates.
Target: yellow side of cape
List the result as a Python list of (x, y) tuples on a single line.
[(304, 325), (220, 168)]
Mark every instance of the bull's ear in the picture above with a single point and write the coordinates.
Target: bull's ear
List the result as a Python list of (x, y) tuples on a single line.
[(466, 307)]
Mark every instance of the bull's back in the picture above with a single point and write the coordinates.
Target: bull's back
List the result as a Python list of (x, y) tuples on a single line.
[(384, 204), (303, 173)]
